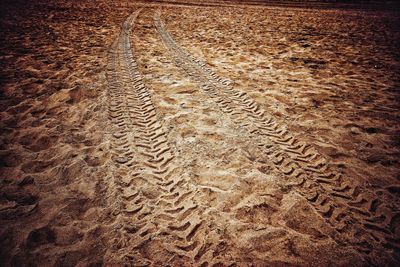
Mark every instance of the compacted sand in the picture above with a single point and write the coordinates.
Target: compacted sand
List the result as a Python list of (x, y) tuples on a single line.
[(209, 133)]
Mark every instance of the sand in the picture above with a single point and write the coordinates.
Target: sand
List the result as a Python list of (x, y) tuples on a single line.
[(199, 134)]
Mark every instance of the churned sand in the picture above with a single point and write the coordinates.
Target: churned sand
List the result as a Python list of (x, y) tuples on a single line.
[(208, 133)]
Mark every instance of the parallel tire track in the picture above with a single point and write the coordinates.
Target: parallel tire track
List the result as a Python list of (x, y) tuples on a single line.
[(358, 214)]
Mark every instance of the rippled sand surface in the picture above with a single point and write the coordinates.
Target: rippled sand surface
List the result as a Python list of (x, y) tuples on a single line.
[(199, 134)]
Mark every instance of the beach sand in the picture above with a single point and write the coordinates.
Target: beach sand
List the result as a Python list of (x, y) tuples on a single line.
[(199, 134)]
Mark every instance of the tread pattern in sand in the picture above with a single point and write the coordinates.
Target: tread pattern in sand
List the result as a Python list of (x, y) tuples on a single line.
[(357, 214), (154, 203)]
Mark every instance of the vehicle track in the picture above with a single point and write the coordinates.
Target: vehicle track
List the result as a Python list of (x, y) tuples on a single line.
[(363, 217), (151, 201)]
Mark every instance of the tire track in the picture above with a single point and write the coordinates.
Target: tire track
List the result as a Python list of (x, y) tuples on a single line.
[(128, 119), (358, 214), (151, 201)]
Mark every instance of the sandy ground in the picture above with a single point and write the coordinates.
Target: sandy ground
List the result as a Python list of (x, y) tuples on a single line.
[(195, 135)]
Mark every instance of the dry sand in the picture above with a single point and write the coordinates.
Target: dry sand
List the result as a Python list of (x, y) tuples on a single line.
[(202, 134)]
